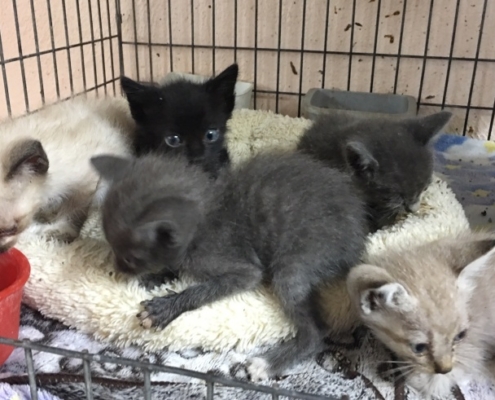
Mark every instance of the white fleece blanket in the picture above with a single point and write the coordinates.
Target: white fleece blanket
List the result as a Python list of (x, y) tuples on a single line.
[(75, 283)]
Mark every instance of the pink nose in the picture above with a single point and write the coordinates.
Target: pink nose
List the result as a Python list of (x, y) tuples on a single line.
[(8, 231)]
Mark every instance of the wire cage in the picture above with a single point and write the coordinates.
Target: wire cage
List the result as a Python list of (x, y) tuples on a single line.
[(209, 380), (438, 51)]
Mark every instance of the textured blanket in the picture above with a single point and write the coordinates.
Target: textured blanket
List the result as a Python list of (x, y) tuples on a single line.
[(75, 284), (468, 166)]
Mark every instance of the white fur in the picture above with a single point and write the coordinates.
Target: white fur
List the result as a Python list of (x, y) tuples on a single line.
[(258, 369), (75, 282), (71, 133), (467, 280), (429, 386), (395, 296)]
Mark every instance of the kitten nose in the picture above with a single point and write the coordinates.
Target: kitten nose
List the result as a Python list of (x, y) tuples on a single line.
[(443, 366)]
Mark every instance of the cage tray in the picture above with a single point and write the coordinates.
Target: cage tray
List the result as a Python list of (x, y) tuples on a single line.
[(327, 101)]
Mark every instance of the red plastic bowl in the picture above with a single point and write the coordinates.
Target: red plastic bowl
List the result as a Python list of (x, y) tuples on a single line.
[(14, 273)]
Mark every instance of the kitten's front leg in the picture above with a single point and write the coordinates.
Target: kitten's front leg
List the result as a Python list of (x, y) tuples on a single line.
[(161, 311), (65, 222)]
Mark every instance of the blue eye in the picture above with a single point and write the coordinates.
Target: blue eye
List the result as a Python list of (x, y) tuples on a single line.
[(419, 348), (212, 135), (173, 141)]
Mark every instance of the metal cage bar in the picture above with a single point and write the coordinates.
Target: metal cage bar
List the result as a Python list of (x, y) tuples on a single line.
[(127, 33), (19, 41), (475, 66), (210, 380), (52, 41)]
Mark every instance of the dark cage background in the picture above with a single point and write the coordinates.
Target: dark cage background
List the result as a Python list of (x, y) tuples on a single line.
[(442, 52)]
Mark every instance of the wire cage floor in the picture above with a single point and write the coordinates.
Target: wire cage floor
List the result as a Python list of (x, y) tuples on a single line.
[(210, 381)]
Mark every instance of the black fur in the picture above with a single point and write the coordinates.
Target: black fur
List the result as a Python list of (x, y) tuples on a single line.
[(191, 115), (390, 160), (286, 220)]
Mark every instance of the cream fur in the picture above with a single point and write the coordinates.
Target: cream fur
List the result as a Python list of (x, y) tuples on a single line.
[(75, 283), (70, 132)]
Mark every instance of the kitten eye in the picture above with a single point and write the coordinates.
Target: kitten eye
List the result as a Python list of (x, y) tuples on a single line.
[(461, 335), (173, 141), (419, 348), (212, 135)]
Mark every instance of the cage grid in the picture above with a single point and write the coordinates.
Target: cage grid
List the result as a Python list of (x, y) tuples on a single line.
[(210, 380), (439, 51)]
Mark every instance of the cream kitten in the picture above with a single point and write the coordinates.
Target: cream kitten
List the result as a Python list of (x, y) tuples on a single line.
[(432, 306), (44, 165)]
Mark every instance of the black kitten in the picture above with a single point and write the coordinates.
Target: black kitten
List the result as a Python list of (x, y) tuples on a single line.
[(390, 160), (286, 220), (184, 117)]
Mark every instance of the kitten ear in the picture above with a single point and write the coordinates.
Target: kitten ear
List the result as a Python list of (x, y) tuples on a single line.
[(143, 99), (466, 280), (360, 159), (466, 248), (389, 296), (170, 221), (223, 85), (111, 168), (27, 155), (475, 258), (373, 288), (162, 232), (424, 128)]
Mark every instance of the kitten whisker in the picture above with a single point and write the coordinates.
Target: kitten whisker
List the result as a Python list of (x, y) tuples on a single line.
[(388, 362), (405, 374), (400, 370)]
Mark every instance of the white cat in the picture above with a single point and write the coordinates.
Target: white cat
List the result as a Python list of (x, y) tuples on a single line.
[(433, 306), (47, 183)]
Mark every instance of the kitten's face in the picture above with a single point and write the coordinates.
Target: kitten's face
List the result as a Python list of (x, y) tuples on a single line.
[(141, 249), (424, 322), (148, 233), (425, 336), (185, 117), (23, 167), (418, 334), (393, 163), (397, 184)]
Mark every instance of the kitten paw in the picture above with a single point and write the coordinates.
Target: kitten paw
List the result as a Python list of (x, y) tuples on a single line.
[(258, 369), (159, 311)]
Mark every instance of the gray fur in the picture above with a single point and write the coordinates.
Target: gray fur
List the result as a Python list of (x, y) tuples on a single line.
[(282, 219), (390, 159)]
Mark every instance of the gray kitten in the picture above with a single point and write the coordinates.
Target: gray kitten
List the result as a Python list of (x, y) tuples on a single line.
[(281, 219), (389, 159)]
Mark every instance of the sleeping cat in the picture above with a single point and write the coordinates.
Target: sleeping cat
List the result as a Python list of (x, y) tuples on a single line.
[(184, 117), (282, 219), (433, 306), (389, 159), (47, 181)]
